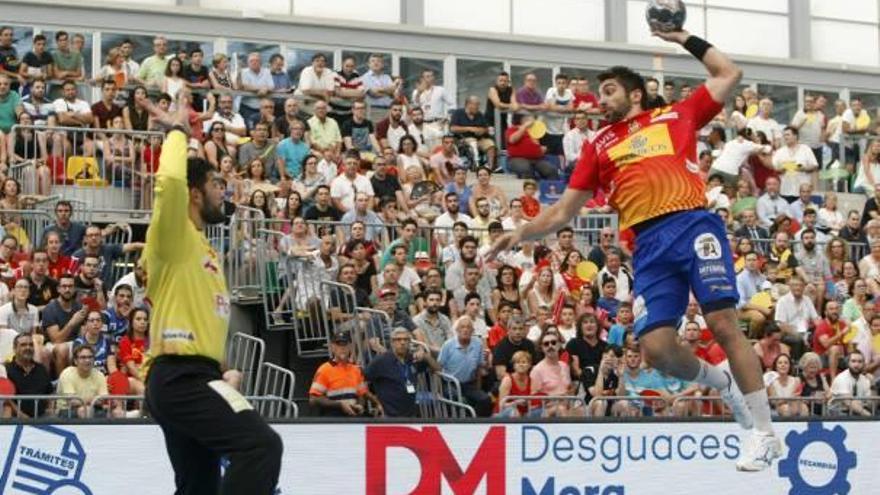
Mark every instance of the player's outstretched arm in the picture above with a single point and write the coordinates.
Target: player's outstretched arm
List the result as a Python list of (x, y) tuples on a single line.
[(548, 221), (171, 207), (724, 75)]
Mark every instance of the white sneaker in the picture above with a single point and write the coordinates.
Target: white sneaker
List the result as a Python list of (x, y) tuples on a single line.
[(734, 399), (758, 452)]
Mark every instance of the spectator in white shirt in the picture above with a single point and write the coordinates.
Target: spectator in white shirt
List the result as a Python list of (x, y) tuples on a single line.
[(232, 121), (771, 204), (443, 224), (434, 100), (856, 119), (796, 163), (853, 383), (256, 79), (317, 80), (765, 123), (734, 153), (346, 185), (810, 122), (574, 139), (795, 315)]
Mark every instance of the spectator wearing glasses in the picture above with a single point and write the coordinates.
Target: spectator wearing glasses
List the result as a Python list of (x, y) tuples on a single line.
[(464, 357), (552, 377), (392, 375), (234, 124), (83, 381), (470, 125), (103, 348), (62, 319)]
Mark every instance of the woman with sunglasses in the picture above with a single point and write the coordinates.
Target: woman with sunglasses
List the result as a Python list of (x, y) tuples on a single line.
[(215, 144)]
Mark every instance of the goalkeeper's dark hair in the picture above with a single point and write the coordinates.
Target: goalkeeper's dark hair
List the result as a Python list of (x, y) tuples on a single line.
[(629, 79), (198, 171)]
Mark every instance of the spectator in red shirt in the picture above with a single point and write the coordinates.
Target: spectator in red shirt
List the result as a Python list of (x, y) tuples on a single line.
[(133, 347), (59, 264), (525, 154), (584, 99), (499, 330), (828, 337), (703, 344), (530, 204)]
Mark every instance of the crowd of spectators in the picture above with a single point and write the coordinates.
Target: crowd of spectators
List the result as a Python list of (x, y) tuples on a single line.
[(391, 192)]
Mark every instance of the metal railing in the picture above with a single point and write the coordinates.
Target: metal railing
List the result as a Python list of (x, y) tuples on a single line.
[(374, 329), (242, 271), (561, 405), (840, 405), (276, 381), (246, 353), (42, 405), (271, 407), (118, 406), (103, 167)]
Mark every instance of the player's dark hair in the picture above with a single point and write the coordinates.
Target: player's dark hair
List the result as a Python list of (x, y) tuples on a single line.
[(197, 172), (629, 79)]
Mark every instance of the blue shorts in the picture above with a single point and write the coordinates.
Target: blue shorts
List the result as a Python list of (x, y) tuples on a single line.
[(682, 252)]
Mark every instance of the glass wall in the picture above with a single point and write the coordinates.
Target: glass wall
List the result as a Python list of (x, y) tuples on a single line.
[(475, 77), (142, 45), (299, 58), (544, 74), (830, 98), (680, 82), (871, 102), (785, 101), (411, 70), (86, 50), (238, 52)]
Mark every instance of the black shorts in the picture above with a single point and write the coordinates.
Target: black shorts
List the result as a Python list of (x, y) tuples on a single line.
[(553, 142)]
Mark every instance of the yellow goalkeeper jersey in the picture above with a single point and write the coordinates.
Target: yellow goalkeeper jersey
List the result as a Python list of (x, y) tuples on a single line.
[(185, 282)]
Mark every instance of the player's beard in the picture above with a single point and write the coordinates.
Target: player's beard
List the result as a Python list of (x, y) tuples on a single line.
[(620, 113), (212, 214)]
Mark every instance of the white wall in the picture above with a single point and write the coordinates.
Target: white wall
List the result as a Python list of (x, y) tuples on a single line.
[(747, 33), (780, 6), (360, 10), (575, 19), (264, 6), (638, 32), (852, 10), (470, 15), (845, 43), (147, 2)]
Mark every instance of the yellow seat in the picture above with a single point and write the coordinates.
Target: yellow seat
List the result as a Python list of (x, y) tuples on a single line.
[(84, 171)]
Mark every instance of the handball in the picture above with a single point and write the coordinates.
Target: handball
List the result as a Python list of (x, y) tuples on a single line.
[(666, 15)]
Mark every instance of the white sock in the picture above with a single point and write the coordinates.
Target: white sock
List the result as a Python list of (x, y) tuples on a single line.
[(759, 405), (712, 376)]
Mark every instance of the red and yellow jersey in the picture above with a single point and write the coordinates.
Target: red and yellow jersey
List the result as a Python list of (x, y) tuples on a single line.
[(648, 163)]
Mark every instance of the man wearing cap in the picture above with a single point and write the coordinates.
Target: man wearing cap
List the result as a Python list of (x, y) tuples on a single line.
[(748, 283), (392, 375), (433, 327), (338, 388)]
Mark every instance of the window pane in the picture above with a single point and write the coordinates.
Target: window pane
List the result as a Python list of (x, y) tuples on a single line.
[(238, 52), (785, 101), (299, 58), (142, 46), (871, 102), (361, 60), (680, 82), (518, 76), (830, 97), (23, 40), (86, 50), (475, 77), (411, 70)]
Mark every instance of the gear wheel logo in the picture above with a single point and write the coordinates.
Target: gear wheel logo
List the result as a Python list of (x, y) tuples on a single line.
[(818, 462)]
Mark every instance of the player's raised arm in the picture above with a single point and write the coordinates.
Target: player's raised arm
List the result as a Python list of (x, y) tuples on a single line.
[(171, 208), (724, 75)]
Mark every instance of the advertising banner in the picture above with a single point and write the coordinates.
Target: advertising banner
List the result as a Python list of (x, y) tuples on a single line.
[(492, 459)]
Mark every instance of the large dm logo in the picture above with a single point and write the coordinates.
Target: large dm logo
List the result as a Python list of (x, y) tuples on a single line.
[(44, 460), (818, 461), (437, 460)]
